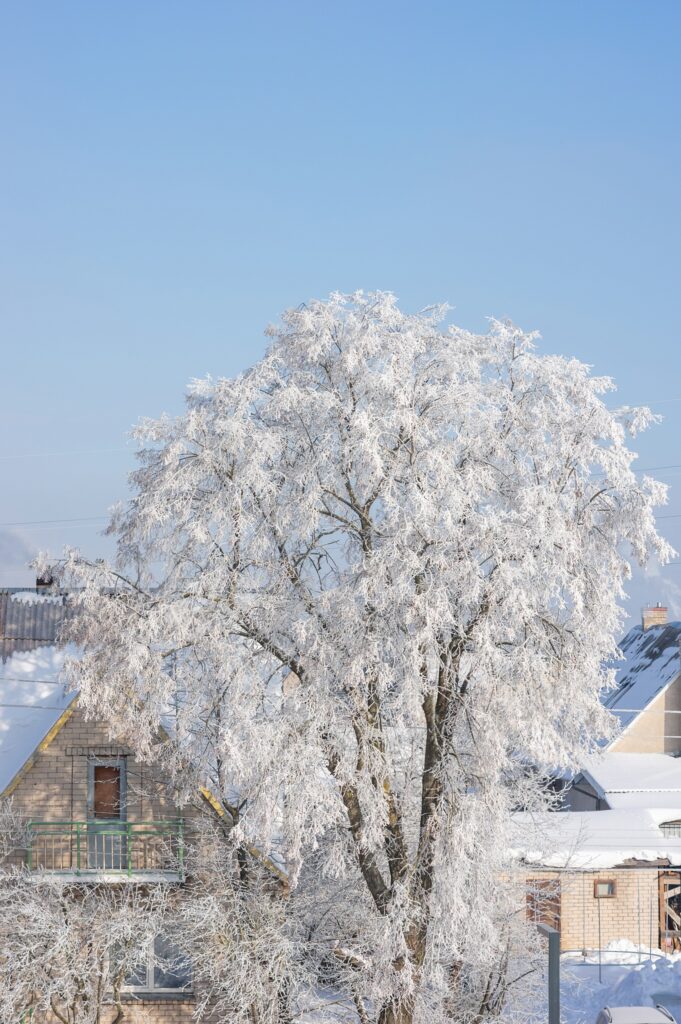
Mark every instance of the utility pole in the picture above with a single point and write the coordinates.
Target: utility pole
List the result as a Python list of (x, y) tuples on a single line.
[(554, 971)]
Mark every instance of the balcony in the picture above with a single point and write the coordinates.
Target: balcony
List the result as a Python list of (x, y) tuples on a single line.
[(108, 850)]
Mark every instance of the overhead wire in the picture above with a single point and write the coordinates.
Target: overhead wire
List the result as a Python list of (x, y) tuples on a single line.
[(37, 707), (54, 455), (82, 520), (48, 522), (102, 518)]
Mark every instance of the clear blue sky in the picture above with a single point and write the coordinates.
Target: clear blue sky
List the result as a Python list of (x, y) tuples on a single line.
[(175, 174)]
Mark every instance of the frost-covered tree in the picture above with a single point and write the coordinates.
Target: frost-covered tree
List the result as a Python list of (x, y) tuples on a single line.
[(369, 589)]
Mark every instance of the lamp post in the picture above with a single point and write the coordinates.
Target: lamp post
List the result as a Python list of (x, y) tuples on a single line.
[(554, 971)]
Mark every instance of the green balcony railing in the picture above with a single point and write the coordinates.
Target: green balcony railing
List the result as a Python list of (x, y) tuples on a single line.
[(118, 847)]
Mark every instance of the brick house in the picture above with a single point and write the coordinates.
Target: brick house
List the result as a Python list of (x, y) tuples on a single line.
[(94, 813), (610, 868)]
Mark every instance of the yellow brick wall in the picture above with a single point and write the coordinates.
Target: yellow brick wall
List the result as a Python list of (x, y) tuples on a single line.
[(157, 1011), (633, 913), (55, 787)]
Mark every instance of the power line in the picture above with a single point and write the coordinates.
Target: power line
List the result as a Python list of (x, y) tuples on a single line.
[(101, 518), (53, 455), (82, 520), (37, 707), (660, 401), (24, 679), (110, 451), (49, 522), (641, 711)]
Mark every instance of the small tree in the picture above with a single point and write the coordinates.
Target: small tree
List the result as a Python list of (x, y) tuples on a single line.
[(365, 586), (68, 949), (240, 925)]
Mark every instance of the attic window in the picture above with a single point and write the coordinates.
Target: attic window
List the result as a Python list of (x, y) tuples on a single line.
[(604, 888), (671, 829)]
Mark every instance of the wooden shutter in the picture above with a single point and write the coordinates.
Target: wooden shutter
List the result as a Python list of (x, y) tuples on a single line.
[(543, 901), (107, 791)]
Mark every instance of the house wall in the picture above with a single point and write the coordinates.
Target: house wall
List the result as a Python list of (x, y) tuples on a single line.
[(581, 796), (55, 788), (673, 721), (653, 731), (633, 913), (156, 1012), (160, 1012)]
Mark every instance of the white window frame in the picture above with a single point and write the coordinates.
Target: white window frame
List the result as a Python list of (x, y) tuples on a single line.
[(149, 988), (612, 885)]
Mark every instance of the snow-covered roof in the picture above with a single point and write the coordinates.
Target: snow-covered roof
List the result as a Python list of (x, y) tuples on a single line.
[(651, 663), (635, 780), (593, 840), (32, 698), (31, 701)]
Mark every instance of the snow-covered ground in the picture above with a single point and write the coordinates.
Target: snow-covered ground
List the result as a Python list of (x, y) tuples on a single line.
[(628, 977)]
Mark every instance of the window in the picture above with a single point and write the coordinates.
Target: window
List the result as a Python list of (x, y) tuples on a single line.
[(604, 888), (165, 969)]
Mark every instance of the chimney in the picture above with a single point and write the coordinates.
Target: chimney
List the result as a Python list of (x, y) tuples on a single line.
[(656, 616)]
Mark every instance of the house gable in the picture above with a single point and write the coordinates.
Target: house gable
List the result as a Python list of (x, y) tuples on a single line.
[(53, 786), (648, 688), (584, 794), (656, 728), (54, 792)]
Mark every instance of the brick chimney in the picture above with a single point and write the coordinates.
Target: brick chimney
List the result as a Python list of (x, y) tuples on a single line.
[(656, 616)]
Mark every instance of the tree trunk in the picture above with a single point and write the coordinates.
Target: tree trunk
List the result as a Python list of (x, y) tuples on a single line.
[(397, 1012)]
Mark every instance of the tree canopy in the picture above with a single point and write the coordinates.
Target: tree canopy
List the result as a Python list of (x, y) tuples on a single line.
[(370, 589)]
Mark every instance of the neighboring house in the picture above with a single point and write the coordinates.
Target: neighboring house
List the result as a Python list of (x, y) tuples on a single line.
[(613, 871), (647, 701), (608, 866), (95, 814)]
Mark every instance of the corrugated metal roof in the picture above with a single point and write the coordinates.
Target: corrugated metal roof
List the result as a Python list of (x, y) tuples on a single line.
[(32, 659), (30, 619)]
